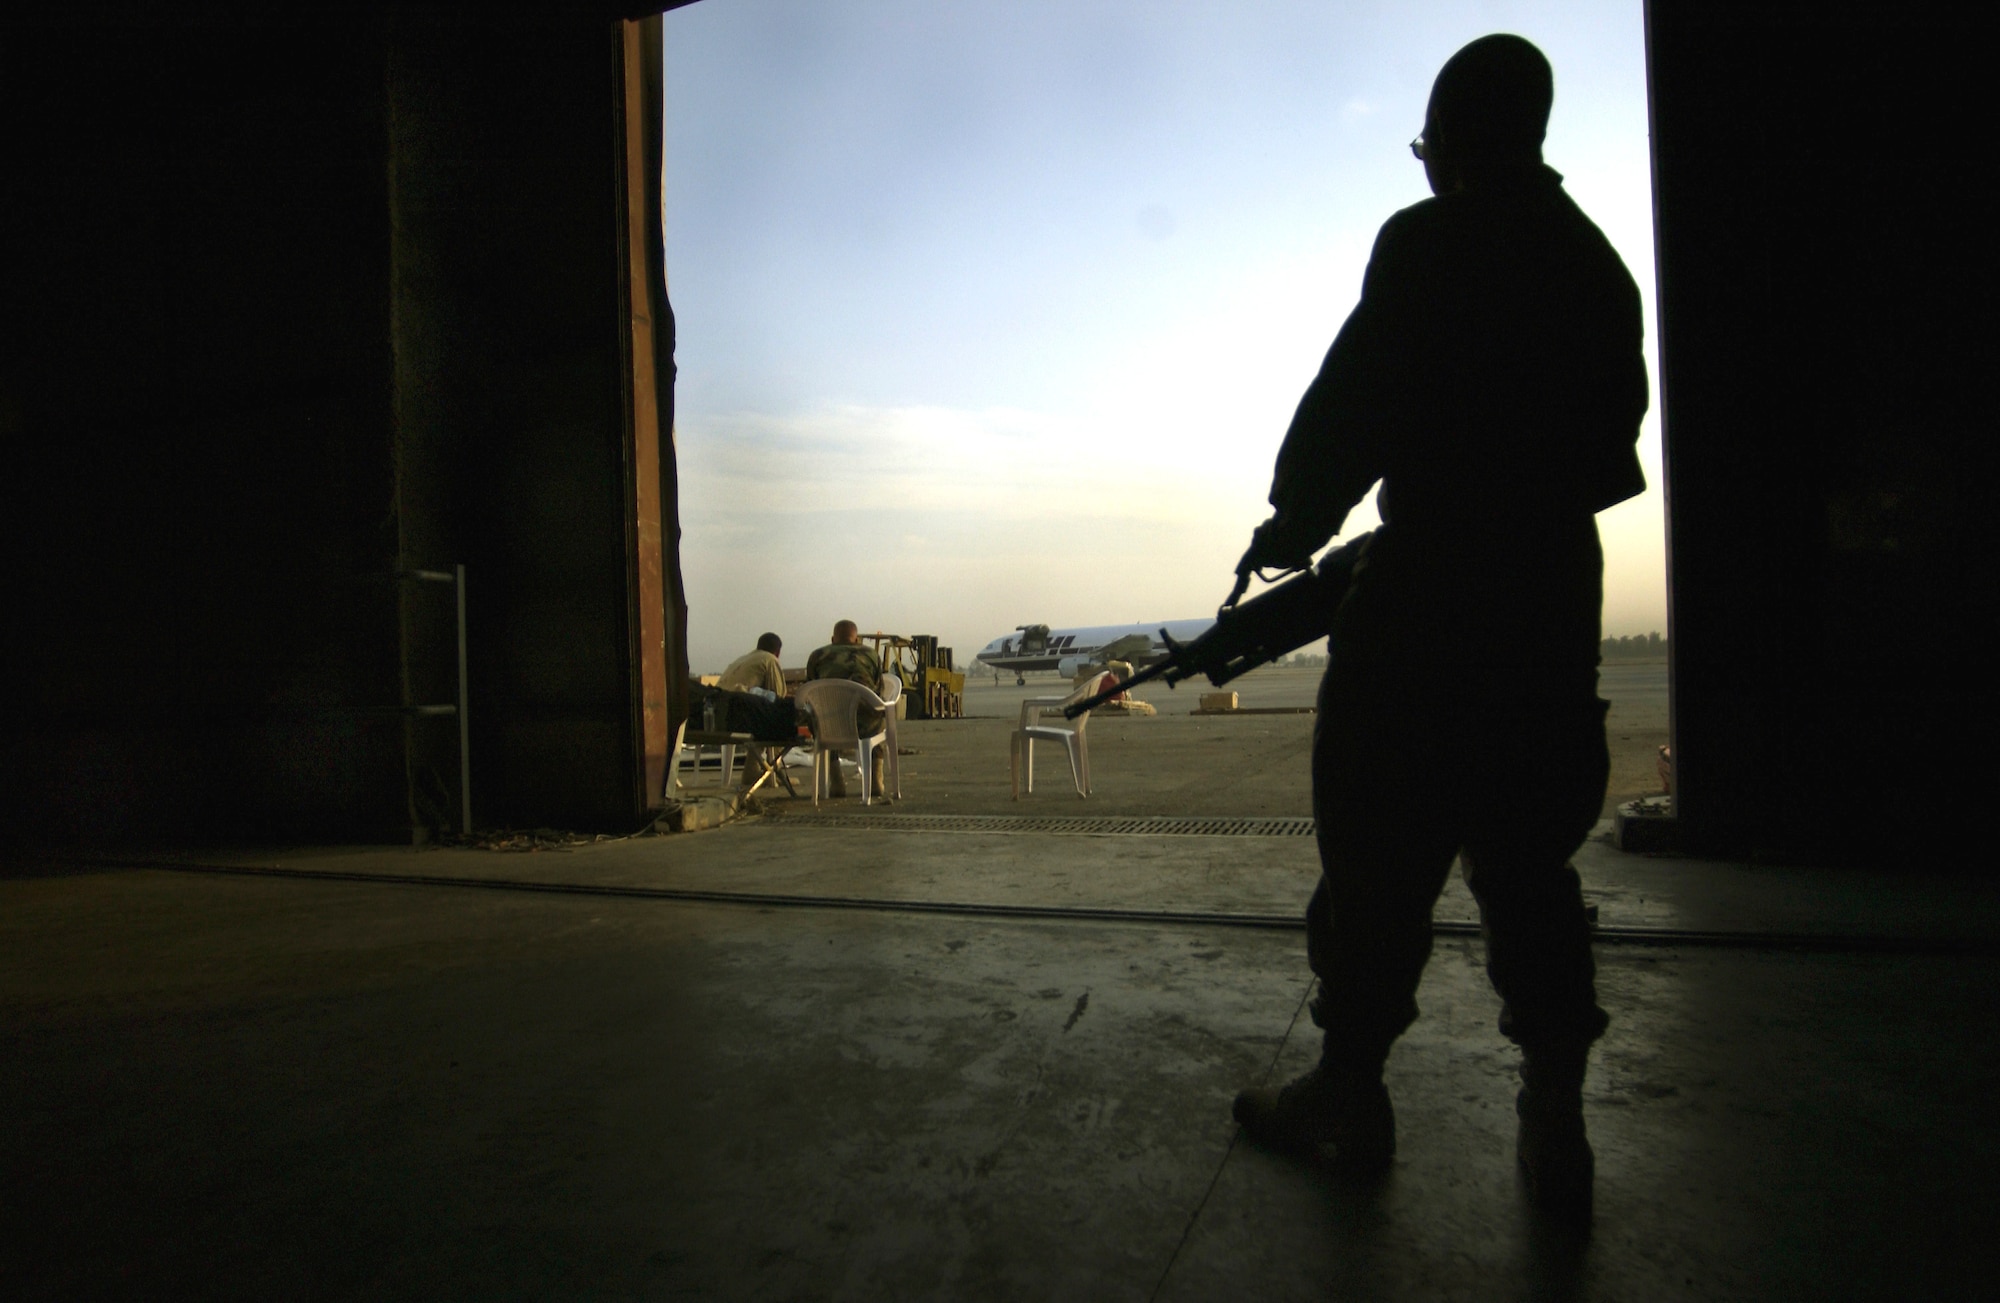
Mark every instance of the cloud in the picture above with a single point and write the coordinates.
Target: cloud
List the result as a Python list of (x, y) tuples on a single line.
[(966, 522), (957, 522), (996, 463)]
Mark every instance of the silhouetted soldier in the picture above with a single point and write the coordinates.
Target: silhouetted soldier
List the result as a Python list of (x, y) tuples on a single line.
[(1491, 379)]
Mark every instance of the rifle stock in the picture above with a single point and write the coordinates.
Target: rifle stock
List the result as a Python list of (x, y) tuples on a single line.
[(1275, 622)]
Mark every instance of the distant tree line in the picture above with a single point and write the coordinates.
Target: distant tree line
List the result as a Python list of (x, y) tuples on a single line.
[(1633, 647)]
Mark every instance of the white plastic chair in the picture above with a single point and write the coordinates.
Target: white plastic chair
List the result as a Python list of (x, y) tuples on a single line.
[(835, 706), (892, 689), (689, 743), (1021, 745)]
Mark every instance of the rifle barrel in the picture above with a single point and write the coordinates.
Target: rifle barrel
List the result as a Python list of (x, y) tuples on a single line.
[(1146, 675), (1246, 635)]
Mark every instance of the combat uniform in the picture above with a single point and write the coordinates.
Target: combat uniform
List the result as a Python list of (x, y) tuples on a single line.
[(846, 660), (1491, 379), (849, 660)]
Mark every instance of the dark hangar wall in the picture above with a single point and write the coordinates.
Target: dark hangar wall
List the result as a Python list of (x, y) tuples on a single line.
[(198, 434), (297, 301), (1825, 272)]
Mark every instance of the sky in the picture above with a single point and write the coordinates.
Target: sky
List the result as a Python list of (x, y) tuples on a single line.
[(994, 312)]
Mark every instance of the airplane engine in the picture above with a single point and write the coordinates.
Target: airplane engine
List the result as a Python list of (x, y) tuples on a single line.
[(1069, 665)]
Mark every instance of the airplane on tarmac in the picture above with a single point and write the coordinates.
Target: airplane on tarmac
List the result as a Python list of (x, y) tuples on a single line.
[(1038, 647)]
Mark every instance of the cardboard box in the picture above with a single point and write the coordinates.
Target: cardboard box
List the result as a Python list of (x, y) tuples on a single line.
[(1218, 701)]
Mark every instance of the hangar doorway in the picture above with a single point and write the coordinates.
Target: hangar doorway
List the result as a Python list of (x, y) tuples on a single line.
[(990, 322)]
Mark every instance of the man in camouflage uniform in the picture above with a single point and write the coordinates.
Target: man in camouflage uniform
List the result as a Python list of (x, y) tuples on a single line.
[(846, 658)]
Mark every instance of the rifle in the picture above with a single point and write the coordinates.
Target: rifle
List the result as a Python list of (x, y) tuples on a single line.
[(1281, 619)]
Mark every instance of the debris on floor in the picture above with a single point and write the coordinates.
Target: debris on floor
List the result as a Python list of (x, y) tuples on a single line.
[(530, 840)]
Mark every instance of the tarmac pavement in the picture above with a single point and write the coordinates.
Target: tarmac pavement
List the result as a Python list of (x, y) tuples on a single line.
[(1176, 761)]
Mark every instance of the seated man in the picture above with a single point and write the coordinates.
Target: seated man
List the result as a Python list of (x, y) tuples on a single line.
[(846, 658), (756, 669), (753, 693)]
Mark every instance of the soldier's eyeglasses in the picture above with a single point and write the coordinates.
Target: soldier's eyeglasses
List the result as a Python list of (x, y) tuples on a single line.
[(1417, 148)]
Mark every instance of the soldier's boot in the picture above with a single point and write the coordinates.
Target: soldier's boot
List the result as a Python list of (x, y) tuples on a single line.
[(1339, 1104), (1551, 1145), (836, 782), (875, 791)]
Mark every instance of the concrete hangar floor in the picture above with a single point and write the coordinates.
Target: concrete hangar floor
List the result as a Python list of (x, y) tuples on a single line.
[(904, 1053)]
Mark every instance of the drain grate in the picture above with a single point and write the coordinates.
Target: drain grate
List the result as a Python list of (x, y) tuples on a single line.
[(1101, 826)]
